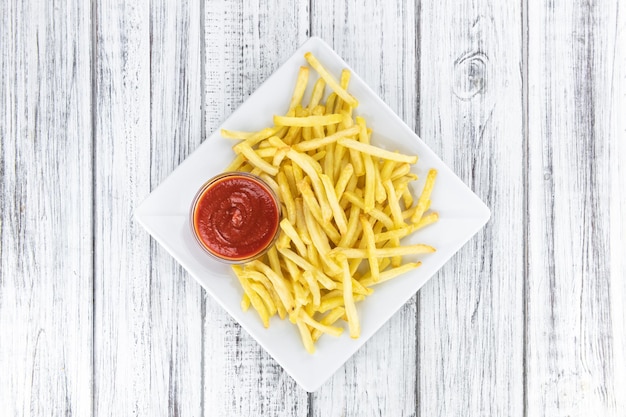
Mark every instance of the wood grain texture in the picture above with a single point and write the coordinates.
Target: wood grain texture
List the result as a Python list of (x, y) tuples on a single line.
[(100, 101), (576, 299), (123, 350), (175, 131), (378, 40), (45, 209), (245, 41), (470, 328)]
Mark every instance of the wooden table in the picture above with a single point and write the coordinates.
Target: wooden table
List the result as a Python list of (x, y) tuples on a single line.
[(100, 101)]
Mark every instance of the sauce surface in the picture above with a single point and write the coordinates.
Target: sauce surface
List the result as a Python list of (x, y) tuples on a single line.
[(236, 217)]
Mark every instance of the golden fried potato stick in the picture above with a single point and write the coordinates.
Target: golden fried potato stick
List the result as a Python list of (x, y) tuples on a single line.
[(425, 196), (317, 94), (328, 320), (389, 274), (392, 200), (255, 159), (370, 247), (348, 299), (305, 334), (377, 152), (352, 234), (330, 80), (338, 213), (323, 141), (384, 252), (289, 230), (245, 302), (313, 287), (333, 330), (342, 181), (286, 196), (327, 119), (299, 89)]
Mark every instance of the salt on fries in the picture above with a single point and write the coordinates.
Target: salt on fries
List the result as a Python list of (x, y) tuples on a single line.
[(346, 202)]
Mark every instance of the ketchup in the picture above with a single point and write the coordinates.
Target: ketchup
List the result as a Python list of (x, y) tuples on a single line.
[(236, 216)]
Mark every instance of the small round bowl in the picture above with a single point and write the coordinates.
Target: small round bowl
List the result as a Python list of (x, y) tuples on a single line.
[(229, 205)]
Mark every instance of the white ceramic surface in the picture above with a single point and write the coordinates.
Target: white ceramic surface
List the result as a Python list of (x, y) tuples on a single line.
[(165, 213)]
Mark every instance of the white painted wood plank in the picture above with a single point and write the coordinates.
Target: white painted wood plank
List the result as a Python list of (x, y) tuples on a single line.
[(245, 41), (617, 230), (176, 124), (378, 40), (45, 209), (123, 332), (576, 292), (471, 314)]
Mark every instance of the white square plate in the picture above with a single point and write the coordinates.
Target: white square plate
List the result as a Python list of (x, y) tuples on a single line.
[(165, 213)]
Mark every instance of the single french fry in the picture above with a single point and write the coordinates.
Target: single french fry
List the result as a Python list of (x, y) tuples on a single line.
[(379, 191), (289, 230), (392, 200), (400, 171), (384, 252), (330, 109), (328, 320), (370, 246), (330, 80), (429, 218), (286, 197), (338, 213), (425, 196), (313, 287), (323, 141), (351, 235), (342, 181), (300, 223), (317, 94), (288, 170), (377, 152), (389, 274), (333, 330), (245, 302), (255, 159), (348, 299), (387, 169), (305, 334), (260, 135), (235, 134), (301, 83), (407, 197), (324, 120)]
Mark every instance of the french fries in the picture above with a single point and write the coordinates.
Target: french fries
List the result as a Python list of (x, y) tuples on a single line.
[(346, 205)]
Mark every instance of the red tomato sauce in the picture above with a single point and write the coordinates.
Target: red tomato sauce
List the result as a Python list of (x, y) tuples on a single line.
[(236, 217)]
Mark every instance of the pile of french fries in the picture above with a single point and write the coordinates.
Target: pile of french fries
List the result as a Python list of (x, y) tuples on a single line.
[(345, 203)]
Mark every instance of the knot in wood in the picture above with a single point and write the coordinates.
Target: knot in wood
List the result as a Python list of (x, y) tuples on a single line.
[(470, 73)]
